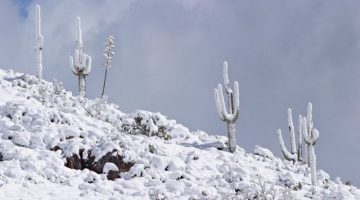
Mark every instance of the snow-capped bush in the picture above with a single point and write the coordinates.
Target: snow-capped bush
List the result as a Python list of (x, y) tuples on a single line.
[(149, 124)]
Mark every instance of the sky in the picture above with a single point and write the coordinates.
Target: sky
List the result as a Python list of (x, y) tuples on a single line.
[(169, 55)]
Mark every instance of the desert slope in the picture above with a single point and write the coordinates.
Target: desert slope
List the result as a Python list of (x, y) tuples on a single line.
[(45, 131)]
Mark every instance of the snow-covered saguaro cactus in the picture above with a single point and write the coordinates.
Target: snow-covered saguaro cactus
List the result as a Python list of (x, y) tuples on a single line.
[(39, 42), (295, 153), (108, 53), (232, 115), (311, 136), (81, 62)]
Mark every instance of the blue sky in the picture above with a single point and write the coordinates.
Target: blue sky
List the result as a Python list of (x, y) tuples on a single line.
[(23, 4), (170, 53)]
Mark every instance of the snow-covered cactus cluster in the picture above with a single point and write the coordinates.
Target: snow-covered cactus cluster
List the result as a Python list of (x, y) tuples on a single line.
[(229, 116), (149, 124), (39, 43), (296, 149), (108, 53), (81, 62), (306, 132)]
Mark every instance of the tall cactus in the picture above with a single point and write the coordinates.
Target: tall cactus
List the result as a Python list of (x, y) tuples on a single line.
[(39, 43), (232, 115), (295, 153), (311, 136), (81, 62)]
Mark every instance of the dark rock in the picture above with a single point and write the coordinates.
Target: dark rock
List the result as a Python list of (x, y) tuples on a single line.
[(73, 162), (81, 162), (112, 175)]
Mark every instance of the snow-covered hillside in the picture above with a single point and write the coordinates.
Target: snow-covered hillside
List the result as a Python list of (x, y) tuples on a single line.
[(45, 131)]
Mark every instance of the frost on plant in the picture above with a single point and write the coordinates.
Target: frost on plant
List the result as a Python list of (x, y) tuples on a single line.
[(311, 136), (295, 153), (108, 53), (149, 124), (232, 114), (81, 62), (39, 43)]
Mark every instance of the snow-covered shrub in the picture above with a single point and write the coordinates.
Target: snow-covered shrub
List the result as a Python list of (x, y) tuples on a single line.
[(263, 152), (258, 189), (149, 124), (289, 181), (58, 87), (100, 109), (59, 118)]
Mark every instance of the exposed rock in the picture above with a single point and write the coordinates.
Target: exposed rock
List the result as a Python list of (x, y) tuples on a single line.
[(81, 161)]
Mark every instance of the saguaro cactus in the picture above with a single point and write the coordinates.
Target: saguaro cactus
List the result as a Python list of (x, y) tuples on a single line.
[(81, 62), (295, 153), (311, 136), (39, 43), (232, 115)]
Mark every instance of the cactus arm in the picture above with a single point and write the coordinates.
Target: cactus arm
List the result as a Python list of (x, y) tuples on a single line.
[(310, 123), (287, 155), (226, 77), (292, 133), (218, 104), (87, 65), (300, 138), (237, 102), (79, 41)]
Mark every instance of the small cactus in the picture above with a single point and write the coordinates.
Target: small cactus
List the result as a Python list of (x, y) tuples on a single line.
[(232, 115), (81, 62)]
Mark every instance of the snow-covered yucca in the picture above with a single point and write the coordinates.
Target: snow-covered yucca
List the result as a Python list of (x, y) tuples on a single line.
[(81, 62), (108, 53)]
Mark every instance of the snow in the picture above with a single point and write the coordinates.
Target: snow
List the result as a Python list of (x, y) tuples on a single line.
[(170, 161)]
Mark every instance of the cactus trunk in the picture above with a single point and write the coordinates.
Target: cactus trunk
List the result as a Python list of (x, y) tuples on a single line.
[(82, 85), (312, 162), (231, 126)]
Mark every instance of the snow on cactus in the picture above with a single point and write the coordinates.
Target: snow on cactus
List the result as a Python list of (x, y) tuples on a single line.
[(39, 43), (189, 166), (108, 53), (311, 136), (295, 153), (232, 115), (81, 62)]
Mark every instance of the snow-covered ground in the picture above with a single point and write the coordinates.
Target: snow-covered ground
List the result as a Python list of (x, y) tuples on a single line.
[(41, 125)]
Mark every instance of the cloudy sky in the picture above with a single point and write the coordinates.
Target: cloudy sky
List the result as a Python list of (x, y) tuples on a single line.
[(170, 53)]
